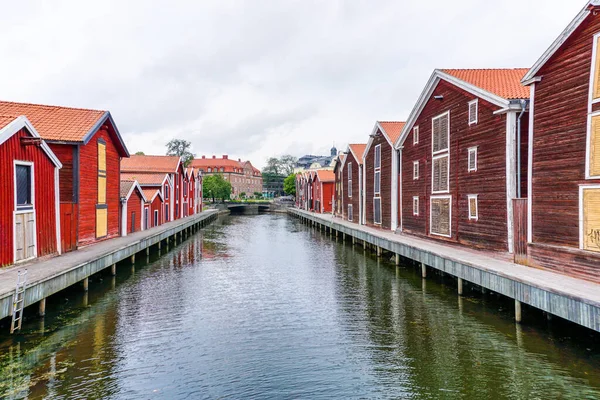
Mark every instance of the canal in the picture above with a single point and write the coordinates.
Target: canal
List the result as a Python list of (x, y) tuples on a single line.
[(265, 307)]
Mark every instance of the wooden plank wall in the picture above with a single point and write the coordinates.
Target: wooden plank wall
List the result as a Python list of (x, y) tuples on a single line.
[(386, 182)]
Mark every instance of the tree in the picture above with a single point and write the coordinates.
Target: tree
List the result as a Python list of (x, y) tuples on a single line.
[(273, 166), (140, 153), (287, 164), (181, 148), (216, 187), (289, 184)]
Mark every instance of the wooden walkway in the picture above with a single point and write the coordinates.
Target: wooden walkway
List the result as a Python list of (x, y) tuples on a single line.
[(51, 275), (570, 298)]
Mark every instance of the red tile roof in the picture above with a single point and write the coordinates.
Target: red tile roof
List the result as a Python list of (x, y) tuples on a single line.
[(505, 83), (144, 178), (125, 188), (392, 129), (149, 193), (325, 175), (5, 120), (227, 164), (358, 150), (55, 122), (135, 163)]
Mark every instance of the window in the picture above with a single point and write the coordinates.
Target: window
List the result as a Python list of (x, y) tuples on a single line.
[(155, 217), (377, 210), (221, 169), (167, 214), (378, 156), (473, 207), (593, 161), (24, 185), (167, 192), (440, 177), (377, 173), (473, 109), (472, 159), (132, 222), (350, 216), (377, 183), (101, 207), (209, 169), (596, 70), (415, 205), (416, 135), (415, 170), (440, 133), (589, 198), (440, 215), (349, 179)]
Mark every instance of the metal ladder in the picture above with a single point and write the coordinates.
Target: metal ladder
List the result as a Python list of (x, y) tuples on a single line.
[(18, 302)]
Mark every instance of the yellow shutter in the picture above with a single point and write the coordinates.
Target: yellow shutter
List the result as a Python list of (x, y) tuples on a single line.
[(101, 189), (473, 207), (596, 82), (594, 161), (101, 222), (101, 156), (101, 173), (591, 219)]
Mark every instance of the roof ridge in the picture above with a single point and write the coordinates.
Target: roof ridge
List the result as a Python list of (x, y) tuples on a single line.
[(51, 106), (482, 69)]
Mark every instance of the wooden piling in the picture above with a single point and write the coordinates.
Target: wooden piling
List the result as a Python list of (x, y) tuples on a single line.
[(423, 271), (518, 315), (86, 283), (397, 259), (42, 307), (460, 286), (113, 269)]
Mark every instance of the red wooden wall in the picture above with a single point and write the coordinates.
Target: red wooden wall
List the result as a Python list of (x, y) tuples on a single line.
[(64, 152), (134, 206), (326, 189), (386, 182), (45, 204), (157, 205), (355, 199)]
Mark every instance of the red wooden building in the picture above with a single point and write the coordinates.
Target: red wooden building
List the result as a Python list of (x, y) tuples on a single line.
[(155, 205), (191, 192), (338, 192), (459, 171), (380, 176), (134, 215), (89, 146), (154, 181), (171, 165), (564, 140), (322, 185), (29, 202), (351, 183)]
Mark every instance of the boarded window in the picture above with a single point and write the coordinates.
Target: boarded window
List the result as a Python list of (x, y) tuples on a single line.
[(440, 216), (415, 170), (415, 205), (473, 207), (349, 179), (101, 173), (473, 109), (416, 135), (377, 183), (594, 154), (441, 132), (591, 219), (155, 218), (596, 83), (377, 210), (440, 174), (378, 156), (23, 183), (101, 222), (350, 216), (472, 160)]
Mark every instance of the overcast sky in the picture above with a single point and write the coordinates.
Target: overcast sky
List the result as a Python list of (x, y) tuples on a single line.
[(255, 79)]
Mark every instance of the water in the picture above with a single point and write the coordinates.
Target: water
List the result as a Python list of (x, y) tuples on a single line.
[(264, 307)]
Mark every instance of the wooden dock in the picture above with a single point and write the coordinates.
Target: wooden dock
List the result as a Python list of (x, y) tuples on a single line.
[(49, 276), (573, 299)]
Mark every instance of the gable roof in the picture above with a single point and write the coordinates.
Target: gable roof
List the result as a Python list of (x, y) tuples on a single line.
[(357, 151), (10, 125), (530, 77), (144, 164), (145, 179), (65, 124), (127, 188), (150, 194), (504, 81), (389, 129), (325, 175)]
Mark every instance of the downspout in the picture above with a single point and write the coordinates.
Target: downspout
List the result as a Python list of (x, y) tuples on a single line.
[(523, 107)]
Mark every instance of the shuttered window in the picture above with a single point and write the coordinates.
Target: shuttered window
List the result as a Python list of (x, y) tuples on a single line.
[(440, 216), (415, 170), (416, 205), (596, 66), (416, 135), (378, 156), (377, 183), (439, 176), (473, 207), (101, 222), (473, 109), (472, 159), (349, 179), (101, 207), (377, 210), (440, 133), (350, 216), (591, 219), (594, 147)]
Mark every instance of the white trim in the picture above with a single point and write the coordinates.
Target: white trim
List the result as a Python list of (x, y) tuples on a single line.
[(472, 150), (400, 199), (32, 177), (123, 217), (361, 196), (376, 128), (511, 175), (57, 209), (155, 218), (581, 216), (588, 145), (415, 199), (449, 219), (530, 165), (476, 102), (16, 211), (433, 158), (444, 114), (416, 135), (394, 194), (376, 170), (22, 122), (364, 199), (469, 197), (591, 99), (562, 38), (415, 170)]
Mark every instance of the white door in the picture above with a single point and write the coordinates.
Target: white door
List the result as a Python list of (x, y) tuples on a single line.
[(24, 229)]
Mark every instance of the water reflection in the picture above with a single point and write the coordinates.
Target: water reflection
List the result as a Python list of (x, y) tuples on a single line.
[(264, 307)]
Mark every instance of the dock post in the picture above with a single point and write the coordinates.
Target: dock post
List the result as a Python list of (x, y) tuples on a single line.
[(364, 244), (397, 259), (337, 234), (133, 259), (159, 244), (518, 316), (42, 308), (460, 286), (86, 284), (113, 269), (423, 270), (147, 251), (378, 251)]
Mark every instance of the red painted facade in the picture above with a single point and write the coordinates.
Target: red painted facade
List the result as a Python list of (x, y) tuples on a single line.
[(134, 211), (386, 181), (156, 208), (350, 187)]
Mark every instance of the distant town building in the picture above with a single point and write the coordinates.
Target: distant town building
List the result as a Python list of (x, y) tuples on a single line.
[(242, 175), (272, 185), (315, 162)]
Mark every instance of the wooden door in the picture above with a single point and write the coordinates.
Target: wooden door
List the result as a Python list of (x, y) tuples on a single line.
[(68, 226), (25, 241)]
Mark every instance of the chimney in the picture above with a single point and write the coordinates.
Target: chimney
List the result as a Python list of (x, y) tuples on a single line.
[(204, 157), (214, 157), (224, 156), (239, 160)]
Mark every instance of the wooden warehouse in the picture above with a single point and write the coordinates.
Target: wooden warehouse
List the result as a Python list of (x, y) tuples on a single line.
[(155, 206), (338, 192), (154, 181), (29, 202), (351, 183), (133, 210), (90, 148), (322, 186), (380, 178), (564, 140), (459, 171)]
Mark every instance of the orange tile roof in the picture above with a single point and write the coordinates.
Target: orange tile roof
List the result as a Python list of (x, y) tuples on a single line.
[(144, 178), (135, 163), (392, 129), (149, 193), (325, 175), (5, 120), (358, 150), (227, 164), (55, 122), (505, 83), (125, 188)]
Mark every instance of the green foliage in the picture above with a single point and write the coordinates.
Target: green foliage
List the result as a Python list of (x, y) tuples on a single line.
[(258, 195), (280, 166), (289, 184), (216, 187), (140, 153), (243, 195), (181, 148)]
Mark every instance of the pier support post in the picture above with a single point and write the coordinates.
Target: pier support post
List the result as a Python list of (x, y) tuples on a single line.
[(378, 251), (42, 307), (159, 245), (113, 269), (423, 271), (364, 244), (147, 251), (397, 259), (86, 283), (518, 315), (460, 286), (133, 259)]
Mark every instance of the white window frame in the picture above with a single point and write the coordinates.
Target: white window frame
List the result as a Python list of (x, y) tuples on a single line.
[(350, 213), (469, 197), (29, 164), (415, 170), (155, 219), (472, 150), (377, 150), (581, 216), (588, 140), (24, 211), (591, 99), (476, 119), (416, 135), (433, 173), (449, 219), (416, 205), (349, 179), (447, 113), (377, 170), (380, 211)]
